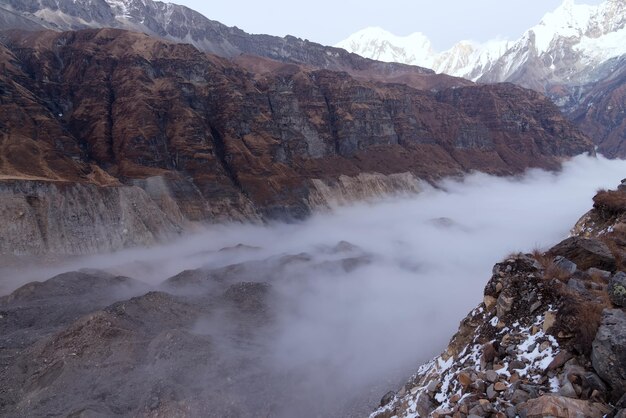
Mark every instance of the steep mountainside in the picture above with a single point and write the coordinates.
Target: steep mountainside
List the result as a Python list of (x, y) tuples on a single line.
[(549, 340), (111, 108), (180, 24), (600, 110)]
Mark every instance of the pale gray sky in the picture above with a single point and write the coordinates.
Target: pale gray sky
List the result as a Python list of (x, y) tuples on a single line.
[(329, 21)]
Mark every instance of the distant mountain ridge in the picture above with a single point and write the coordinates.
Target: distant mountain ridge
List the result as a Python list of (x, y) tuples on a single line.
[(564, 48), (181, 24)]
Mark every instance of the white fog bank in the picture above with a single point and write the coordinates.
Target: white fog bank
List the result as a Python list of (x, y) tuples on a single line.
[(431, 256)]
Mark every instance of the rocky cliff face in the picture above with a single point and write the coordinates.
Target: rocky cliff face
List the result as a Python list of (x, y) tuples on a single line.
[(548, 340), (209, 139), (599, 109)]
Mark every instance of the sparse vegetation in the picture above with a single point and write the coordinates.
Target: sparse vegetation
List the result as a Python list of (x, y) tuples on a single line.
[(581, 318), (610, 202), (551, 269)]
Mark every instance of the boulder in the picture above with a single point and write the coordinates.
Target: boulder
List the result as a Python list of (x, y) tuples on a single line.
[(565, 264), (387, 398), (617, 289), (585, 252), (561, 407), (609, 350)]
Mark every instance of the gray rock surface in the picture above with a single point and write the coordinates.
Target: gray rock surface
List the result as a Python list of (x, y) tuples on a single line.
[(609, 350), (50, 218), (585, 252)]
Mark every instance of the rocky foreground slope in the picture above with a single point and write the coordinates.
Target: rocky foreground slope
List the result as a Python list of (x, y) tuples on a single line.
[(549, 340), (128, 134)]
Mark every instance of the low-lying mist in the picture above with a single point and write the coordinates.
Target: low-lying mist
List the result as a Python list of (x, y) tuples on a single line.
[(419, 264)]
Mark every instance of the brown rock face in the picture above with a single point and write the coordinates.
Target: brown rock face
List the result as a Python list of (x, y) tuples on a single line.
[(110, 107), (561, 407)]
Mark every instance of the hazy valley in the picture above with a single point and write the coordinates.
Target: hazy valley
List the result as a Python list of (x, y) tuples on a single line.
[(197, 221)]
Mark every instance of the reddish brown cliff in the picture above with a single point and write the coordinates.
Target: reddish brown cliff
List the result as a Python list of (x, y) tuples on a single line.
[(111, 107)]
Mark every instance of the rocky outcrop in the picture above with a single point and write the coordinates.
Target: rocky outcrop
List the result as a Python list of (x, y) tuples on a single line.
[(546, 341), (585, 253), (609, 350), (208, 140)]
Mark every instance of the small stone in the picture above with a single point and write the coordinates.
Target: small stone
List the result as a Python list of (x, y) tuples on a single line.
[(464, 379), (519, 396), (514, 378), (497, 367), (535, 306), (577, 285), (559, 360), (504, 304), (549, 320), (488, 355), (442, 412), (567, 390), (491, 376), (544, 346), (500, 386), (432, 386), (499, 287), (423, 405), (483, 402), (535, 329), (464, 409), (479, 386), (491, 392), (415, 390), (455, 398), (511, 412), (489, 302), (517, 365), (596, 396)]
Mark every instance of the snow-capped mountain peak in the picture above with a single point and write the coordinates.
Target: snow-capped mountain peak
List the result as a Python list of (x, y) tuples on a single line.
[(568, 20), (564, 47), (381, 45)]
